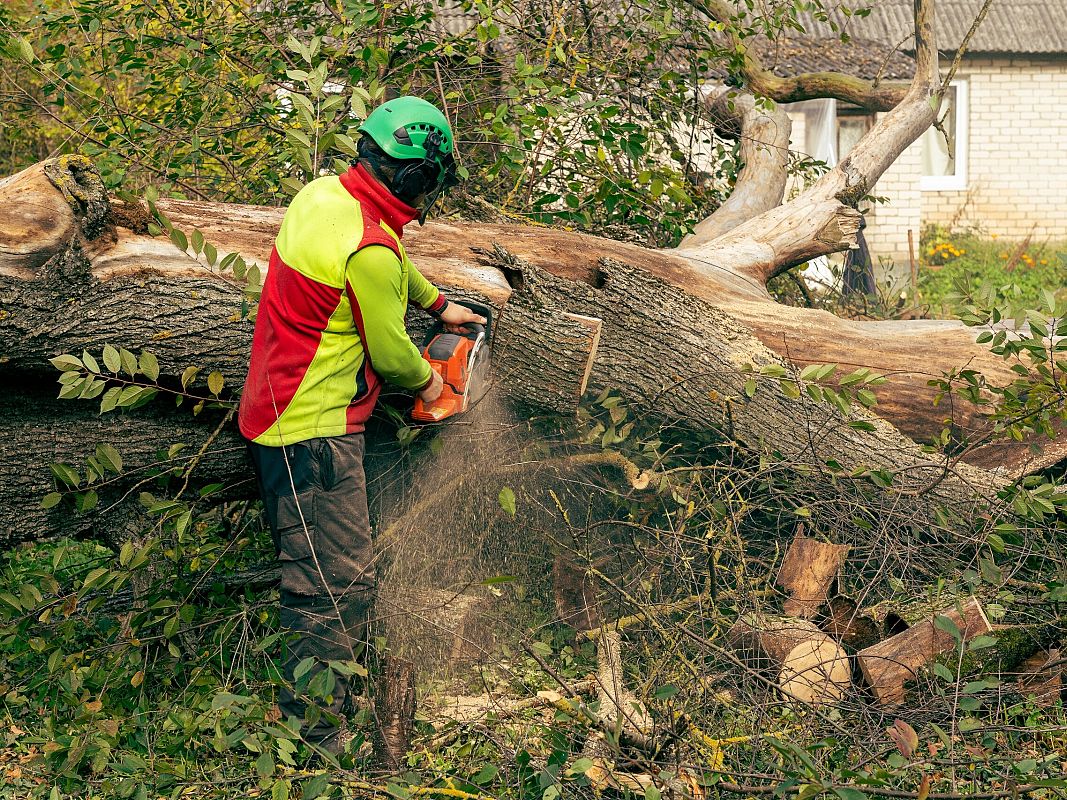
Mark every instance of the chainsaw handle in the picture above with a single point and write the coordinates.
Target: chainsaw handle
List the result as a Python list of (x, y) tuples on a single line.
[(472, 328), (481, 311)]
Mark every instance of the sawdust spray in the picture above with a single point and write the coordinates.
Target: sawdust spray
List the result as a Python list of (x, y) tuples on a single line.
[(445, 539)]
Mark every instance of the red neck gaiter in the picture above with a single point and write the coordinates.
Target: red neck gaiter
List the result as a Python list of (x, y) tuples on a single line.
[(378, 202)]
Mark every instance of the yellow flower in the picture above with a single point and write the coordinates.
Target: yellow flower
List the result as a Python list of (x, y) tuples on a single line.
[(992, 236), (1044, 261)]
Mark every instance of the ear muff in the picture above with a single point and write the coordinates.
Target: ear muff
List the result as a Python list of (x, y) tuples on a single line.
[(413, 179)]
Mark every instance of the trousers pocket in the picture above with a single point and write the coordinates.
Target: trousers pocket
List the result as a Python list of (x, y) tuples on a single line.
[(297, 528)]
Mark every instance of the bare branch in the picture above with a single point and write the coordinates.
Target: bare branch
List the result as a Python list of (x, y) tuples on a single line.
[(871, 95)]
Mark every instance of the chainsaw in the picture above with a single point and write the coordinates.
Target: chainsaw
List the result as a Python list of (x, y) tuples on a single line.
[(462, 361)]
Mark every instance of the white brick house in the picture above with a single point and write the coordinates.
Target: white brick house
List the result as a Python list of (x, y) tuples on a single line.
[(1005, 113)]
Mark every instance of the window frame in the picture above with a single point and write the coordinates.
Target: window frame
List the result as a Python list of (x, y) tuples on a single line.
[(958, 180)]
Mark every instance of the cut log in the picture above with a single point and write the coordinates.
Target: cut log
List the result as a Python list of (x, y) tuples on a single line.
[(889, 665), (1041, 677), (1010, 648), (807, 664), (843, 621), (807, 573), (671, 353)]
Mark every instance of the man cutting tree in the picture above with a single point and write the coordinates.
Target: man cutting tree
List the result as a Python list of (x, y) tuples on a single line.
[(329, 330)]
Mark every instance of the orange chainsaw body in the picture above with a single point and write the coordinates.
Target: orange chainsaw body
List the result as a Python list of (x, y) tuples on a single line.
[(461, 359)]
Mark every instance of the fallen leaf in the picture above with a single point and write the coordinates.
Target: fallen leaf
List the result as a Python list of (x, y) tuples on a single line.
[(904, 737)]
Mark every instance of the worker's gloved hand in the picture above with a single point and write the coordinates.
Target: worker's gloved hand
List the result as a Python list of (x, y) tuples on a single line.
[(455, 316), (433, 389)]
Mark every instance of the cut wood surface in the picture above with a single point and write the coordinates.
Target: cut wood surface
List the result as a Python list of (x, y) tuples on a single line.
[(807, 573), (888, 665), (807, 664)]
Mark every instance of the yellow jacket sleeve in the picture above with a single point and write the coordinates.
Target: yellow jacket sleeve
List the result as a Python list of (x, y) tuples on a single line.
[(423, 293), (374, 279)]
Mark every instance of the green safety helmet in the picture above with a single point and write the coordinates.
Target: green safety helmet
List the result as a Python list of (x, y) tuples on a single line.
[(401, 128), (414, 132)]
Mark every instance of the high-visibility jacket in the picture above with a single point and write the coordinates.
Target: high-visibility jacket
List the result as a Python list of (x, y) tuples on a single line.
[(330, 324)]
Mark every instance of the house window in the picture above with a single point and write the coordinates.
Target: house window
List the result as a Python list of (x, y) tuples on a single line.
[(944, 167), (850, 129)]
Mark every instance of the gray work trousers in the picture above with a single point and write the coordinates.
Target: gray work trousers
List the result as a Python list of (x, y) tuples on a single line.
[(315, 497)]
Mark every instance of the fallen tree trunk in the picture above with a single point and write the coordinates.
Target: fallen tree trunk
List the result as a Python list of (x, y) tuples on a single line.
[(667, 349)]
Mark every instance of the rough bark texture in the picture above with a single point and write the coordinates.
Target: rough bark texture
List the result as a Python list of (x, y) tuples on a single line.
[(677, 327), (394, 712)]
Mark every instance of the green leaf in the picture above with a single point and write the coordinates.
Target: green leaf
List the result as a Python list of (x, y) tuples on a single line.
[(946, 624), (298, 136), (66, 363), (170, 627), (188, 375), (210, 253), (750, 388), (87, 501), (280, 790), (179, 239), (111, 358), (197, 241), (65, 474), (581, 766), (110, 399), (485, 774), (148, 365), (109, 457), (90, 362), (51, 500), (304, 667), (315, 787), (847, 793), (265, 765), (943, 672), (129, 361), (506, 498), (215, 382)]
